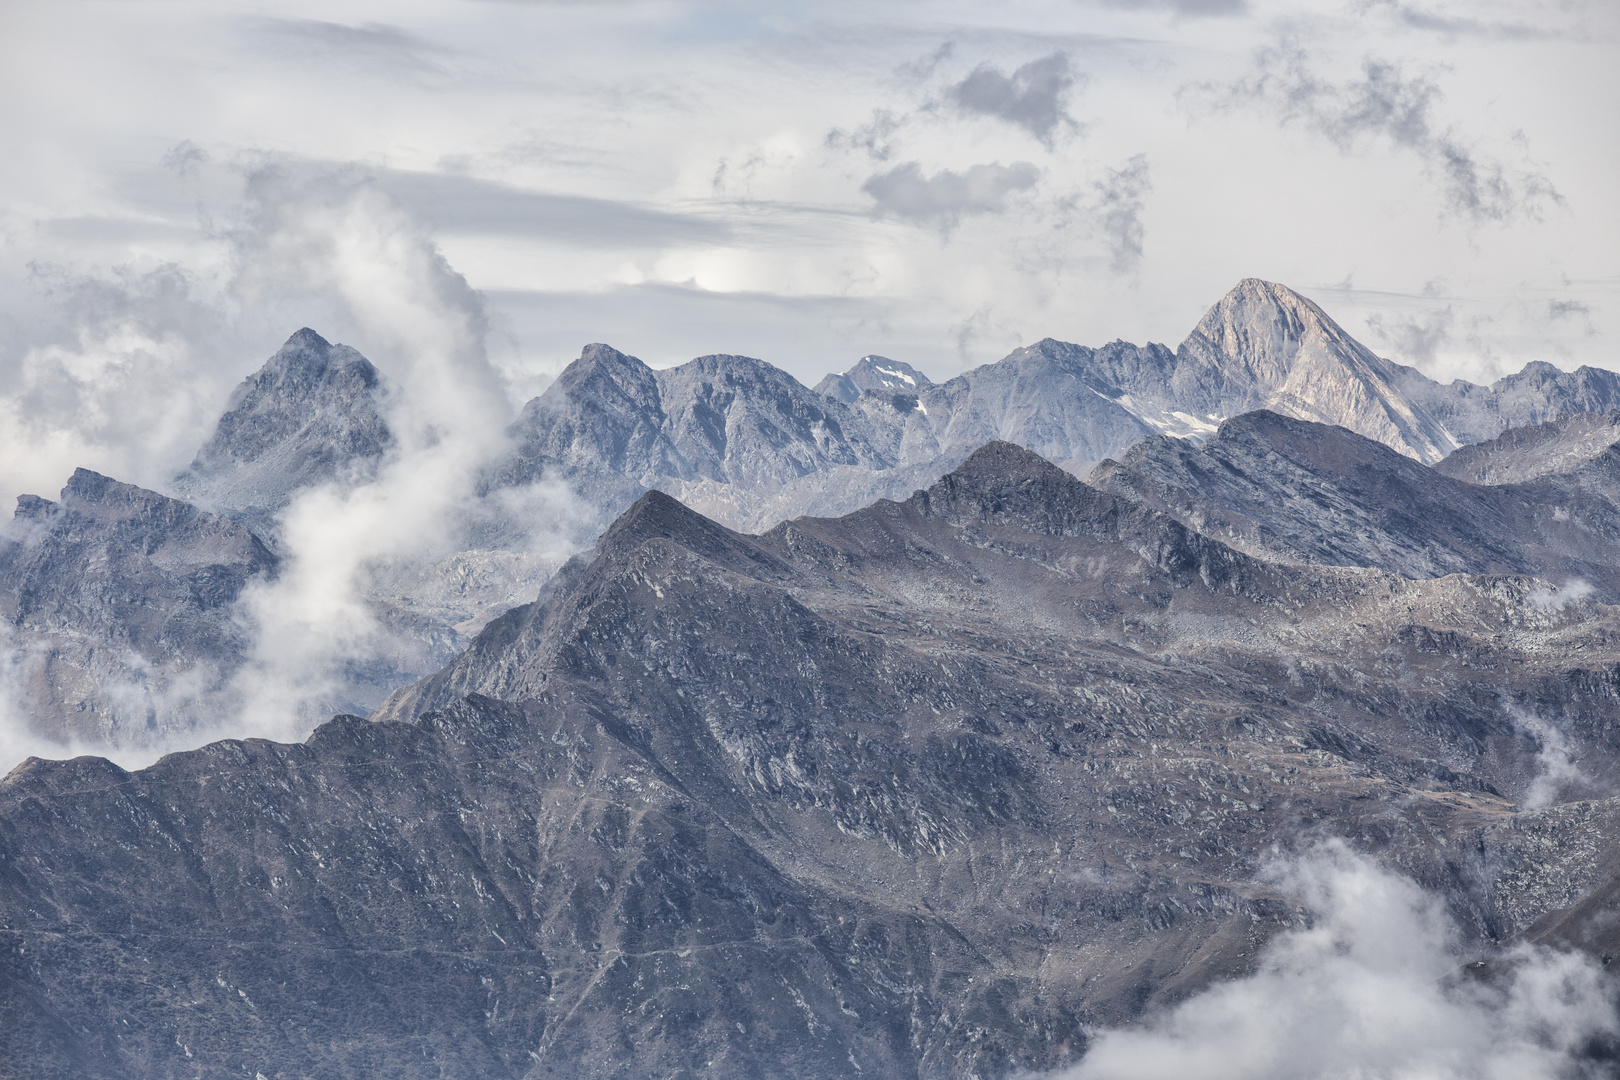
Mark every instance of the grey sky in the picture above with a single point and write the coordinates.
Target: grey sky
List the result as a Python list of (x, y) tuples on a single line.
[(934, 181)]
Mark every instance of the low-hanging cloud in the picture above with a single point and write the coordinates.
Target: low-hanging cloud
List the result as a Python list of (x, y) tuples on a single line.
[(1375, 986), (947, 196), (1389, 104), (1034, 97), (1558, 773)]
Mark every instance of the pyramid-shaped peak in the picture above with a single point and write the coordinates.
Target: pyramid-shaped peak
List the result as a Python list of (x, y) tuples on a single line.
[(305, 338), (1253, 304), (1256, 331)]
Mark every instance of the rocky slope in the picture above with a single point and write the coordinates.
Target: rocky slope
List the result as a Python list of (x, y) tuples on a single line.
[(1303, 492), (1569, 445), (119, 605), (920, 791)]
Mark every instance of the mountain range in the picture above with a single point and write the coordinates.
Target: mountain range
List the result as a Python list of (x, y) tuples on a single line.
[(932, 789), (748, 446)]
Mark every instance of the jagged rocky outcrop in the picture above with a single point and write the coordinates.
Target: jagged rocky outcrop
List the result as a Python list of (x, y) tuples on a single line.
[(921, 791), (1304, 492), (876, 373), (119, 606), (312, 414)]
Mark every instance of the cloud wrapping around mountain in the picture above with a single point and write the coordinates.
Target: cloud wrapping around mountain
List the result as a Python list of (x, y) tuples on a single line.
[(1372, 987)]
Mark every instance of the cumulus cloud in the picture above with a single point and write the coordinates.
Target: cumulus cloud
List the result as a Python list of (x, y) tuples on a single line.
[(947, 196), (1119, 201), (1034, 97), (1374, 986), (1387, 103)]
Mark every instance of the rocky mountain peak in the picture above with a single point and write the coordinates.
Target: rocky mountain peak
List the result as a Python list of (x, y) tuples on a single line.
[(1265, 346), (311, 414), (602, 369), (872, 372)]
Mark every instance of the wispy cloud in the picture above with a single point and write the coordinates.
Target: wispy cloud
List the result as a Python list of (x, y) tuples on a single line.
[(1414, 337), (1386, 103), (1034, 97), (1186, 7), (374, 44), (876, 137), (469, 205)]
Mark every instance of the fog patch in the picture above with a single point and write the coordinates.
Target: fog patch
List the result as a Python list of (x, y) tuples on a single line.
[(1551, 598), (1374, 987)]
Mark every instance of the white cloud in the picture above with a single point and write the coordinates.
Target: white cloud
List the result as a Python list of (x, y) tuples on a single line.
[(1374, 988)]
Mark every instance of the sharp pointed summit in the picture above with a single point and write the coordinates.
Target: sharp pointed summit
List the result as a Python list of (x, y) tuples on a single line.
[(311, 414)]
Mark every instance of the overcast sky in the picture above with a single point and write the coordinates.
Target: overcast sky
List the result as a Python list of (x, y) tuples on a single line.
[(937, 182)]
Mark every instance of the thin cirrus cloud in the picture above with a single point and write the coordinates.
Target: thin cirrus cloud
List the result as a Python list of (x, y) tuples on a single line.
[(947, 196), (1385, 103), (376, 42), (1034, 97), (461, 204), (1186, 7)]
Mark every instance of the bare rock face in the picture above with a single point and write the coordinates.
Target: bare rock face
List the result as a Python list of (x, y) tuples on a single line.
[(921, 791), (1297, 491), (312, 414), (1519, 454), (119, 602)]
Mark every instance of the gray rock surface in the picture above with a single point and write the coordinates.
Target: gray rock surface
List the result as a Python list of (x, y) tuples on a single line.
[(119, 603), (924, 790), (1526, 453)]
